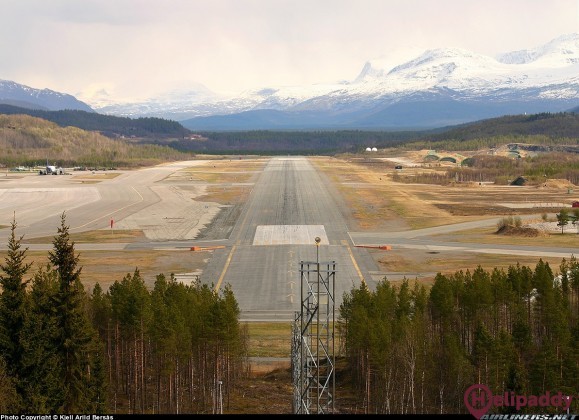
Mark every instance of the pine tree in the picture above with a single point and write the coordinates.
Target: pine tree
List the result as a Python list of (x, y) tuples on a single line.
[(563, 219)]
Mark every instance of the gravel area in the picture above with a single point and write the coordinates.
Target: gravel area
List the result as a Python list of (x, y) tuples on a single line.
[(177, 216), (552, 227)]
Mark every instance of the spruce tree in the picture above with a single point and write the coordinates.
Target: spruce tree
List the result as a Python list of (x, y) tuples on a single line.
[(76, 338), (12, 305), (42, 367), (9, 398)]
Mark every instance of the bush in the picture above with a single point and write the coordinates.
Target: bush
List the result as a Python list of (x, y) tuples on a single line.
[(509, 221)]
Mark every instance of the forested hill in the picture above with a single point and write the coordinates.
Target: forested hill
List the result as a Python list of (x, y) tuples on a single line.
[(557, 131), (562, 125), (107, 125), (28, 141)]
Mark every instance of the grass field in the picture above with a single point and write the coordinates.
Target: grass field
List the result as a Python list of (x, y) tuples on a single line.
[(269, 339)]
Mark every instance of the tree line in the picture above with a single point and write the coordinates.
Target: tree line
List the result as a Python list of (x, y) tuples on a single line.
[(290, 141), (126, 350), (412, 350)]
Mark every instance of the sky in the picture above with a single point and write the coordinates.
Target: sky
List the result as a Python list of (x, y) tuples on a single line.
[(135, 49)]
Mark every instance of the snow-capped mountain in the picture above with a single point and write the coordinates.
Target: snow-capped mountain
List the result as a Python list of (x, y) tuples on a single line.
[(177, 103), (13, 93), (438, 87), (560, 52)]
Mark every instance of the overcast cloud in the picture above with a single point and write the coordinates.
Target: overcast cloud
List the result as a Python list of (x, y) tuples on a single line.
[(139, 48)]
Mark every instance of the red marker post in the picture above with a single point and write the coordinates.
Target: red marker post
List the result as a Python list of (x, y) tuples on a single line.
[(112, 222)]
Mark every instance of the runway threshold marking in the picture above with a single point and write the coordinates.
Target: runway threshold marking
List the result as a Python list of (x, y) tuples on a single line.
[(354, 261), (218, 285)]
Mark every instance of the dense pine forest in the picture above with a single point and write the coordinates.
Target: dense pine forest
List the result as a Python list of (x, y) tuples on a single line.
[(126, 350), (180, 348), (413, 350)]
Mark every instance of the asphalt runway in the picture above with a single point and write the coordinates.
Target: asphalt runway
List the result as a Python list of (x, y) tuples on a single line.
[(273, 244)]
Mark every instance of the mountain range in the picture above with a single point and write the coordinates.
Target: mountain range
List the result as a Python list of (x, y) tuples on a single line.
[(12, 93), (440, 87)]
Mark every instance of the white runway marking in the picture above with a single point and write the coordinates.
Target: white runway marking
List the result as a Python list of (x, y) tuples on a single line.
[(290, 235)]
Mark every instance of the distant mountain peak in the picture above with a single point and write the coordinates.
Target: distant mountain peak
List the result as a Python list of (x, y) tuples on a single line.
[(12, 92), (561, 51)]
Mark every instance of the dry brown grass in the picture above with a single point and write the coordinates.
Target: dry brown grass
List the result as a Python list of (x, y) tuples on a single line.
[(375, 199), (95, 236), (269, 339), (222, 171), (489, 236), (106, 267), (447, 263), (226, 195), (377, 202)]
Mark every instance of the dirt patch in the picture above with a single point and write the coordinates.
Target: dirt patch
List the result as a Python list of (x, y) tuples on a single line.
[(563, 184), (270, 393)]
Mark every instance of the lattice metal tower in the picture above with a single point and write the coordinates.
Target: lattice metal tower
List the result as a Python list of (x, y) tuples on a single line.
[(313, 355)]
